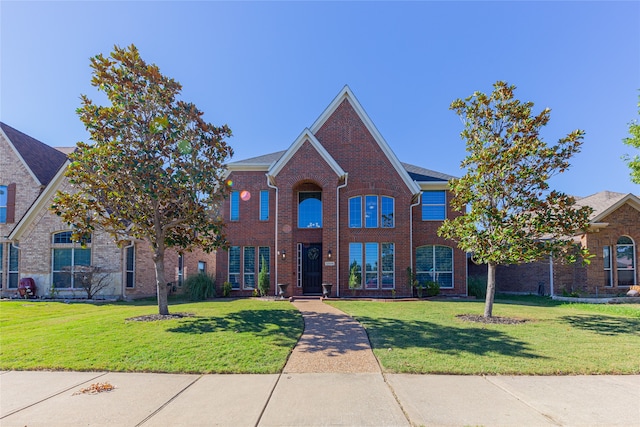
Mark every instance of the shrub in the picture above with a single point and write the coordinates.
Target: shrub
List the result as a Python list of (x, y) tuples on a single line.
[(226, 289), (432, 288), (200, 287), (477, 287), (263, 279)]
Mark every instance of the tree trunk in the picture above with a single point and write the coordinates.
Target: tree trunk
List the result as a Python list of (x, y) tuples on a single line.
[(161, 283), (491, 290)]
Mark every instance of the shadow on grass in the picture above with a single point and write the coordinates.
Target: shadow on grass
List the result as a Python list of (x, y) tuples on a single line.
[(604, 325), (394, 333), (287, 323)]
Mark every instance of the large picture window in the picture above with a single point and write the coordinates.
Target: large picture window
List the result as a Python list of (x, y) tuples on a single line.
[(434, 205), (626, 261), (355, 265), (379, 265), (310, 209), (435, 264), (67, 256)]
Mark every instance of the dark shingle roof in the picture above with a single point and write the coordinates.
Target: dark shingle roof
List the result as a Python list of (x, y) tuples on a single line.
[(44, 161)]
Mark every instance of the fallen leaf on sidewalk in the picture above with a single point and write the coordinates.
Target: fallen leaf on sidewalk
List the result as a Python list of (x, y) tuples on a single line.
[(96, 388)]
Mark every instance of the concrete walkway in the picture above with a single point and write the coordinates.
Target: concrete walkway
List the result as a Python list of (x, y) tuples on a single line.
[(305, 394)]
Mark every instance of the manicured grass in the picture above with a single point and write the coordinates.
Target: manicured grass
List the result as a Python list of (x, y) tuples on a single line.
[(224, 336), (558, 338)]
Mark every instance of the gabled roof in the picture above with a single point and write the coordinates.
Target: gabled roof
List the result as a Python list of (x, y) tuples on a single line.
[(605, 202), (346, 93), (306, 135), (263, 162), (41, 160)]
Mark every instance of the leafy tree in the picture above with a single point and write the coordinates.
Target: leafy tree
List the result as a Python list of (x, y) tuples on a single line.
[(633, 140), (512, 215), (154, 169)]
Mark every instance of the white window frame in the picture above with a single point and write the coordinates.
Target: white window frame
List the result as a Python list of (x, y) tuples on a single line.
[(4, 204), (130, 271), (236, 274), (633, 261), (73, 247), (247, 272), (423, 205), (435, 272), (608, 271), (264, 199)]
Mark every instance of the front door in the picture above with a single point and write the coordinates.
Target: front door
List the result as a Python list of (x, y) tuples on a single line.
[(311, 268)]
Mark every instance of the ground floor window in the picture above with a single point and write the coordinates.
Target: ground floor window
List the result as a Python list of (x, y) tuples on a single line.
[(378, 262), (67, 257), (608, 276), (130, 266), (12, 270), (1, 263), (434, 263), (180, 269), (626, 261), (245, 263), (202, 267)]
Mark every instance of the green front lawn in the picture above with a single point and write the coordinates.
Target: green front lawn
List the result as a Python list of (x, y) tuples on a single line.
[(558, 338), (224, 336)]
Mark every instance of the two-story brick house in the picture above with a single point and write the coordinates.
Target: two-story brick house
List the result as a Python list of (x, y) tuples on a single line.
[(338, 201), (34, 243)]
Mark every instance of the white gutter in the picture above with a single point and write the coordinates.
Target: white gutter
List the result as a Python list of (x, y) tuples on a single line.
[(411, 230), (275, 235), (346, 179)]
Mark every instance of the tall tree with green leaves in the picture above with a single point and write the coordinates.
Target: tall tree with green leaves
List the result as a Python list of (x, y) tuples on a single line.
[(153, 169), (511, 216), (633, 140)]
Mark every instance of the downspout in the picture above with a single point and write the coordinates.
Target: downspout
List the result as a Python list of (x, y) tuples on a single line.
[(275, 235), (411, 230), (346, 178), (551, 274)]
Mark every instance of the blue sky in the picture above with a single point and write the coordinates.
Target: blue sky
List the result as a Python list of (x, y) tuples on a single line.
[(269, 69)]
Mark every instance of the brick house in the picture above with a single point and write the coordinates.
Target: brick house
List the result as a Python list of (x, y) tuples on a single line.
[(612, 239), (338, 199), (35, 243)]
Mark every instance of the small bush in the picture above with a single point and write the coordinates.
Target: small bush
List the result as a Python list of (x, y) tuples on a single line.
[(226, 289), (200, 287), (477, 287), (432, 289)]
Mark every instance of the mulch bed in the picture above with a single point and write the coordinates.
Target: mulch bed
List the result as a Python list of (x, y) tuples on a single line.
[(494, 319), (154, 317)]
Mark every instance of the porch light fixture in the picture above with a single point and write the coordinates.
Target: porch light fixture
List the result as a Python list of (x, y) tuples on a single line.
[(329, 254), (283, 254)]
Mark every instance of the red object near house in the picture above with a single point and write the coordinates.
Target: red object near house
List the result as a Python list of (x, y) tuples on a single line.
[(27, 288)]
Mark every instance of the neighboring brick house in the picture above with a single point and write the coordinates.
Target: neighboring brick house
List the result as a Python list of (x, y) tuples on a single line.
[(35, 243), (612, 239), (338, 197)]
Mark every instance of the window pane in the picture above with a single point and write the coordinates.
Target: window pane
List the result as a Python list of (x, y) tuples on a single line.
[(371, 211), (264, 205), (625, 277), (310, 210), (433, 205), (263, 252), (387, 212), (355, 260), (235, 206), (249, 266), (82, 257), (371, 265), (202, 267), (424, 259), (355, 212), (63, 237), (606, 253), (388, 266), (234, 266), (130, 279), (625, 240), (1, 259), (444, 258), (3, 204), (3, 214), (61, 280), (61, 259), (130, 257)]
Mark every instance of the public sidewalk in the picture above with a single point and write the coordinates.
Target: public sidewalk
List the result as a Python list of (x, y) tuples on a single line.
[(331, 378)]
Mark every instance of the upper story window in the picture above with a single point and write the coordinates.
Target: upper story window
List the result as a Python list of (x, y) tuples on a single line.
[(434, 205), (378, 212), (4, 193), (310, 209), (264, 205), (235, 206)]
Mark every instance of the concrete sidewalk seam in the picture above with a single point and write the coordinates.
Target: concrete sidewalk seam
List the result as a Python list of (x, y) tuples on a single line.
[(266, 403), (164, 405), (549, 417), (15, 411)]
